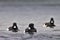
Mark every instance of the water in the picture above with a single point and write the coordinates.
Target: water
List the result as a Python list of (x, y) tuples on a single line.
[(24, 13)]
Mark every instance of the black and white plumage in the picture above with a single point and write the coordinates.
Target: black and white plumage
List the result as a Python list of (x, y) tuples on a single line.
[(30, 29), (14, 28)]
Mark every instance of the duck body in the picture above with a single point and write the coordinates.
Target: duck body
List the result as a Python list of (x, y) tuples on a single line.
[(51, 23), (48, 24), (13, 29), (30, 31)]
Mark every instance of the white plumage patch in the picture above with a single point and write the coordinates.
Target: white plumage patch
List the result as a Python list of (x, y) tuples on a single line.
[(7, 29), (44, 25), (14, 26)]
